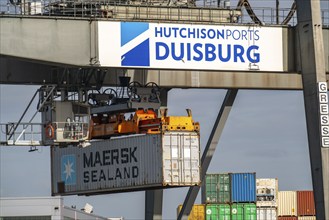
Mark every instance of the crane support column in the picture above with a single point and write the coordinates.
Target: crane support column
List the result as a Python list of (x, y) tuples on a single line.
[(209, 150), (315, 98), (153, 204)]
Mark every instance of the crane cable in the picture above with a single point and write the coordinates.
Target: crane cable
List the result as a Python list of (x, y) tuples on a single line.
[(251, 12), (254, 17), (290, 14)]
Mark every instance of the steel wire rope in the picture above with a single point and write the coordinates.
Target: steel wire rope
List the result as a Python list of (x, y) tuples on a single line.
[(290, 14), (254, 17), (250, 11), (4, 132)]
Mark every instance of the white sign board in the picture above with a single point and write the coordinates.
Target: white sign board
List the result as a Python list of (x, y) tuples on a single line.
[(323, 108), (190, 46)]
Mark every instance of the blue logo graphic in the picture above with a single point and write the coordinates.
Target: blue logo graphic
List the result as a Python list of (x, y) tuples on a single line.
[(140, 54), (68, 169)]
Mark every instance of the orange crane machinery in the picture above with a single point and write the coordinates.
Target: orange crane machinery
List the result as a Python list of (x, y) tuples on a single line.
[(169, 123), (117, 124), (140, 122)]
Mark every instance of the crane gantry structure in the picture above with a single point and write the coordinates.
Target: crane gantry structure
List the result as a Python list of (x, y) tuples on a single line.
[(97, 61)]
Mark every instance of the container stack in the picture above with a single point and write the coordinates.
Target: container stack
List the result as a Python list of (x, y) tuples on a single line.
[(267, 196), (305, 205), (287, 205), (240, 196), (296, 205), (197, 212), (230, 196)]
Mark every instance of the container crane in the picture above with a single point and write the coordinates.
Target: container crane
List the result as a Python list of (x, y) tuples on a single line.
[(76, 116)]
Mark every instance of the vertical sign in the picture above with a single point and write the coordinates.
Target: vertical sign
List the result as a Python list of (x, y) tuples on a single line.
[(324, 113)]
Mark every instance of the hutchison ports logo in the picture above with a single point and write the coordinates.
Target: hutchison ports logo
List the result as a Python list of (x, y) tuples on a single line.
[(135, 44), (68, 169)]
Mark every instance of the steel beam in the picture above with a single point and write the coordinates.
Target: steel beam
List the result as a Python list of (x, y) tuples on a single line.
[(19, 71), (209, 150), (313, 74), (153, 204)]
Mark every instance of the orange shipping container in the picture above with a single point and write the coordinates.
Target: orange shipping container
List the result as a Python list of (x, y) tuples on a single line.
[(306, 217), (287, 218), (197, 212), (305, 203)]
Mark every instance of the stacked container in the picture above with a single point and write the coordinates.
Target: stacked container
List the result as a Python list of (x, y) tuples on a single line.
[(267, 196), (306, 217), (216, 188), (305, 205), (243, 187), (287, 205), (230, 196), (197, 212), (287, 218), (267, 213)]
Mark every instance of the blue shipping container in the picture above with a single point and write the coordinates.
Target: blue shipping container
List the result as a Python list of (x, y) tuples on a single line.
[(243, 187)]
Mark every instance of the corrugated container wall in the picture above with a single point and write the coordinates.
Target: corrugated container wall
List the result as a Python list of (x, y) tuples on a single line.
[(216, 189), (306, 218), (235, 211), (244, 211), (305, 203), (197, 212), (267, 213), (135, 162), (287, 203), (267, 192), (287, 218), (218, 212), (243, 187)]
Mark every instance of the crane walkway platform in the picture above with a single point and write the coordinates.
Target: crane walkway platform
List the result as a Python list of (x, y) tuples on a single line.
[(55, 44)]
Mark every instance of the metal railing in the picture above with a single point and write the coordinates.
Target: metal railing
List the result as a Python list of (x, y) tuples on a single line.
[(67, 132), (269, 16), (109, 9), (31, 134), (24, 134)]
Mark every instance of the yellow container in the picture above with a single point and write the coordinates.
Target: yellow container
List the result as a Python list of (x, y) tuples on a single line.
[(197, 212), (287, 203)]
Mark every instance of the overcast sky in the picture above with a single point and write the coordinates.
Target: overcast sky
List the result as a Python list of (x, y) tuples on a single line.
[(265, 133)]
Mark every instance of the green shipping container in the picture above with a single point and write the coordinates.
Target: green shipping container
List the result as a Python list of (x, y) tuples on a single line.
[(235, 211), (218, 212), (216, 189), (243, 211)]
